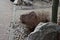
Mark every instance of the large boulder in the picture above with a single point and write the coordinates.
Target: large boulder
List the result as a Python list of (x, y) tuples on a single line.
[(45, 31)]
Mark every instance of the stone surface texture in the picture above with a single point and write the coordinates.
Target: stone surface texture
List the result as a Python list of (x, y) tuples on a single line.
[(49, 31)]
